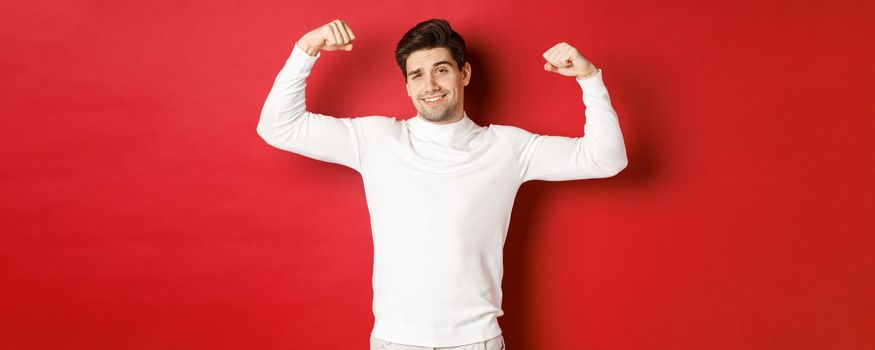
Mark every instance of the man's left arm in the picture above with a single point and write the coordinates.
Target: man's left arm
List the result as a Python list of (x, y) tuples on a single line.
[(601, 152)]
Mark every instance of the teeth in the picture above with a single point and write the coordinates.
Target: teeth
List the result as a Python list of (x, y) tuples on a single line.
[(434, 98)]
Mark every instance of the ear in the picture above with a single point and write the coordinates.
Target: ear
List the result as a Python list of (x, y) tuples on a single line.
[(407, 86), (466, 74)]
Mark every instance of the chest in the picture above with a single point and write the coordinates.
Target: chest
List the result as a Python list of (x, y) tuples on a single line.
[(477, 166)]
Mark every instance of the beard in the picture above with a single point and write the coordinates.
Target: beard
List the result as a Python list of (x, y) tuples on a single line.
[(438, 113)]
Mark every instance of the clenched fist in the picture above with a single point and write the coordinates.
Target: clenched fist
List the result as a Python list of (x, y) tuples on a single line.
[(564, 59), (335, 35)]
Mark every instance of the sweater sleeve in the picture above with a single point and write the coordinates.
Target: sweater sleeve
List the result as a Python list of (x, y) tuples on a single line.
[(286, 124), (600, 153)]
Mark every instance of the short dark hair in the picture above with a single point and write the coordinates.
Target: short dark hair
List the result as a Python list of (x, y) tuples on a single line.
[(427, 35)]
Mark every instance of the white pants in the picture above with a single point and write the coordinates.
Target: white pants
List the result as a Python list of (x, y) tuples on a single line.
[(496, 343)]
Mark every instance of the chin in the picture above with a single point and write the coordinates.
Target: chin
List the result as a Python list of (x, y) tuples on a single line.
[(436, 116), (432, 116), (440, 118)]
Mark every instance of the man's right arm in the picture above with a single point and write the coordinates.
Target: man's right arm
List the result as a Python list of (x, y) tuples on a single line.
[(285, 122)]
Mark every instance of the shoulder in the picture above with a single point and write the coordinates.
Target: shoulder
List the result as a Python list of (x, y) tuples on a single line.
[(374, 123), (375, 120), (518, 139), (510, 132)]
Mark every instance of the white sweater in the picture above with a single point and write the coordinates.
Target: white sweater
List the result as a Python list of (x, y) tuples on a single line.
[(439, 198)]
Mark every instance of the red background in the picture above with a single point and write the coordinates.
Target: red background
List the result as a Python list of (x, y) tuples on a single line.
[(141, 210)]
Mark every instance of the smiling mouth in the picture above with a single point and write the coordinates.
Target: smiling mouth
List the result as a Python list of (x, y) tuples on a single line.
[(434, 100)]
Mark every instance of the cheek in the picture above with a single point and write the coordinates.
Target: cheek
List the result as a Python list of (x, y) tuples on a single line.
[(453, 83)]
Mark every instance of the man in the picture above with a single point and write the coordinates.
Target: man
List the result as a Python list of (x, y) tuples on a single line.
[(439, 187)]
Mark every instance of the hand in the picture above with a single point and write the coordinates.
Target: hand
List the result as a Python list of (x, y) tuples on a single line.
[(564, 59), (335, 35)]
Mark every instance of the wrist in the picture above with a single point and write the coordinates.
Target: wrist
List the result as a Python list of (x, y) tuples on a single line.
[(307, 47), (589, 74)]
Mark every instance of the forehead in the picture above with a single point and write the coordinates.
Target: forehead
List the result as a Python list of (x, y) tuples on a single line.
[(423, 59)]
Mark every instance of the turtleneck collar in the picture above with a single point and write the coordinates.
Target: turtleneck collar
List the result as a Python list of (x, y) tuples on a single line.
[(442, 132)]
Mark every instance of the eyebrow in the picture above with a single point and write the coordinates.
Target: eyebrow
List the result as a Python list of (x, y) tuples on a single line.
[(419, 70)]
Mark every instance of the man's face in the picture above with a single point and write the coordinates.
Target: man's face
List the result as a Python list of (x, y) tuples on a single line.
[(436, 85)]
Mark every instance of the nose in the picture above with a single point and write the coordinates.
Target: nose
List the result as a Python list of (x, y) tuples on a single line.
[(431, 83)]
